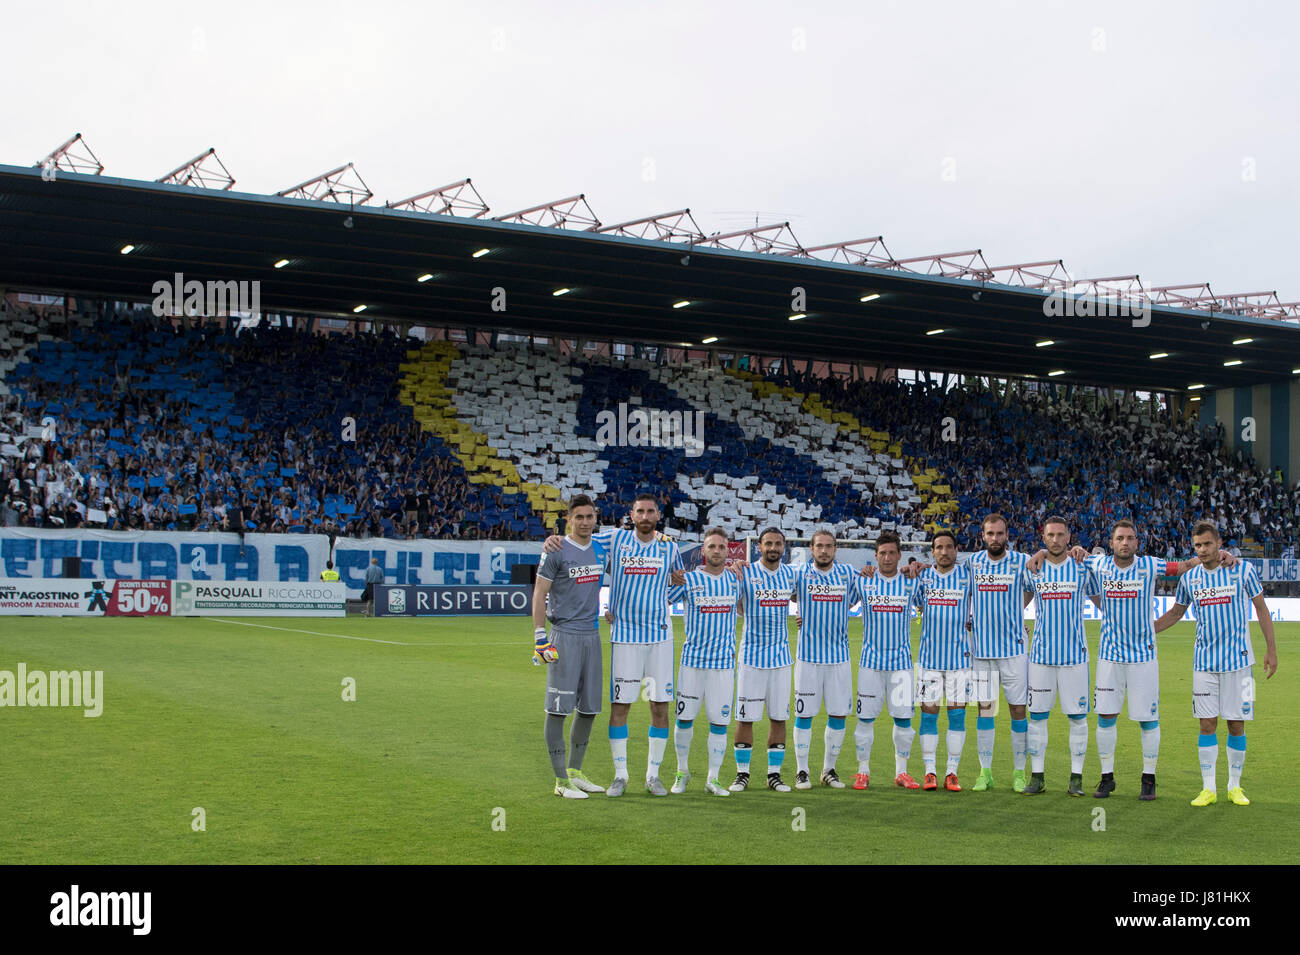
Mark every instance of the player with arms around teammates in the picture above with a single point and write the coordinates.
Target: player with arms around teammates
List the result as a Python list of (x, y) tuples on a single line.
[(824, 591), (1127, 662), (706, 676), (1058, 657), (885, 667), (1223, 660), (765, 661), (944, 656), (1000, 591), (640, 564), (570, 578)]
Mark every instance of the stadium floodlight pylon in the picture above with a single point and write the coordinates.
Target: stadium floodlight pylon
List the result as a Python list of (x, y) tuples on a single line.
[(679, 226), (1041, 275), (194, 174), (777, 239), (342, 185), (70, 158), (954, 265), (560, 214), (870, 251), (448, 200)]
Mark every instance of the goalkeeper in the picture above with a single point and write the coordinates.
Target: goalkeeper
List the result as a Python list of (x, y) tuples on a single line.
[(570, 577)]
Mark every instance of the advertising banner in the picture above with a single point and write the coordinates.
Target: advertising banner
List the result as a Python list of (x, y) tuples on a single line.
[(411, 601), (259, 599)]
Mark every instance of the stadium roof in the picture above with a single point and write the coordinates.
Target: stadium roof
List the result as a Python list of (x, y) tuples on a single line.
[(66, 234)]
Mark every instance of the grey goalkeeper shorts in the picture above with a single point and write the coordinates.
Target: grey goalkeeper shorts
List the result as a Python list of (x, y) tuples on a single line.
[(574, 680)]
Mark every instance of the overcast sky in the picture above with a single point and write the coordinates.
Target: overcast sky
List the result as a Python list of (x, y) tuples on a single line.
[(1156, 137)]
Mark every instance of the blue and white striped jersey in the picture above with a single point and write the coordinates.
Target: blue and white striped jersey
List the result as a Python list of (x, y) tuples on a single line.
[(1059, 594), (765, 641), (887, 621), (998, 603), (1221, 598), (824, 601), (639, 581), (1128, 633), (710, 619), (944, 602)]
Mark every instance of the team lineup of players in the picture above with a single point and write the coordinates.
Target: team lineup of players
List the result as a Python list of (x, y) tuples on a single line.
[(974, 644)]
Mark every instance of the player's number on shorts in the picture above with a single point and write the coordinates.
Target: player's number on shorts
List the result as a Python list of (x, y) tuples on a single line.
[(616, 689), (681, 705), (859, 710), (742, 711), (798, 706)]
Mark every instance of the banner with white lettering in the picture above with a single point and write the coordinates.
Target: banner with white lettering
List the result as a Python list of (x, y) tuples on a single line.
[(409, 601), (42, 597), (163, 555)]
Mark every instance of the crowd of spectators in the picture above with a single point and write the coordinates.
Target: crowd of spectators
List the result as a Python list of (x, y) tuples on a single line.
[(1031, 454), (136, 424)]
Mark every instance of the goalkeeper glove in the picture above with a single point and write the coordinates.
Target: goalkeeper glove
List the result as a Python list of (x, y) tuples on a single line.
[(543, 650)]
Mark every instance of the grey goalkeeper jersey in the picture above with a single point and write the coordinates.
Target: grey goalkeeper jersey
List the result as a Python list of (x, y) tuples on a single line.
[(574, 573)]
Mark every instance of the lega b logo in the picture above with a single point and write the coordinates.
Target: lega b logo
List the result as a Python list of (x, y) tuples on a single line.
[(397, 600), (726, 710), (1083, 702)]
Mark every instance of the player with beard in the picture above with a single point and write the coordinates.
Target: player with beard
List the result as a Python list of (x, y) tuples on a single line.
[(824, 590), (640, 564), (1127, 663)]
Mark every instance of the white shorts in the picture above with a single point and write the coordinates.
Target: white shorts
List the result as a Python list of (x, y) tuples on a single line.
[(878, 688), (815, 681), (1011, 673), (755, 687), (630, 663), (1229, 694), (1141, 683), (951, 686), (1071, 682), (712, 688)]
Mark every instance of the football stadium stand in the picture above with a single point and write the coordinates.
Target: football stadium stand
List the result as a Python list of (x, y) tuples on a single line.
[(127, 422)]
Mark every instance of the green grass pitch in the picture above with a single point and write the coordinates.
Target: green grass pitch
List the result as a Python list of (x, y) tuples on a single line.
[(247, 721)]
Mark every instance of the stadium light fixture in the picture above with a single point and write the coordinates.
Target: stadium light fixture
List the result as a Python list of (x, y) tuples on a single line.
[(1195, 387), (1295, 371), (1160, 354), (1053, 374), (870, 298), (425, 277), (359, 309), (282, 263), (709, 341), (795, 318), (935, 331), (1243, 341), (480, 253), (128, 249), (1234, 361), (686, 344), (1194, 398), (562, 291), (681, 304), (1044, 343)]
